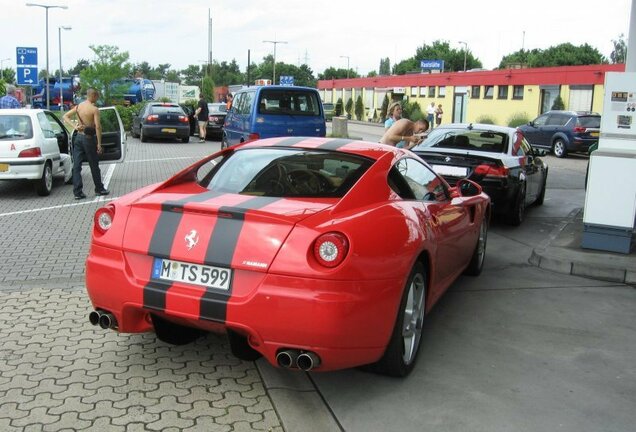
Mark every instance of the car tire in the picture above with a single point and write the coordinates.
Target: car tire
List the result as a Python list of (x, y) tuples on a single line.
[(479, 254), (185, 139), (518, 211), (44, 185), (401, 352), (559, 148), (541, 196), (240, 348), (142, 136), (132, 132), (174, 334)]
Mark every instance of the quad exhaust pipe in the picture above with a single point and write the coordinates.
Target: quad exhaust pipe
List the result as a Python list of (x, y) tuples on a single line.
[(304, 360), (105, 320)]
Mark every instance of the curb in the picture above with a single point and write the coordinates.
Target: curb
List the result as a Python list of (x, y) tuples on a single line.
[(576, 261)]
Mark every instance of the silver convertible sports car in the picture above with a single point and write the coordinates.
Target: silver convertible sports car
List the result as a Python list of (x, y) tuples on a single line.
[(498, 158)]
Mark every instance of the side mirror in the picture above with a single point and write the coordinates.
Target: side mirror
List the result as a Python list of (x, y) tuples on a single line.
[(465, 188), (531, 123)]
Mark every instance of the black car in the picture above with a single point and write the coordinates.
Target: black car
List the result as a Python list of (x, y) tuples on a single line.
[(564, 132), (498, 158), (216, 119), (161, 120)]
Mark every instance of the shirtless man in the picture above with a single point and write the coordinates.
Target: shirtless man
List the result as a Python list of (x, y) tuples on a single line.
[(404, 133), (87, 144)]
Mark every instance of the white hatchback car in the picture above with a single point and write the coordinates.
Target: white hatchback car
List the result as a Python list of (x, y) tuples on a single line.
[(35, 145)]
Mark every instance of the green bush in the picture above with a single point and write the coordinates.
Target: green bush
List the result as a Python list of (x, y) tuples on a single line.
[(385, 108), (359, 108), (412, 111), (558, 103), (349, 107), (485, 119), (3, 88), (339, 107), (128, 112), (518, 119)]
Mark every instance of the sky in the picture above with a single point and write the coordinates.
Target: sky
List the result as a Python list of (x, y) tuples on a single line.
[(319, 33)]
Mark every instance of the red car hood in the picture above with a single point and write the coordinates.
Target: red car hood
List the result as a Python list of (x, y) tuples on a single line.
[(200, 226)]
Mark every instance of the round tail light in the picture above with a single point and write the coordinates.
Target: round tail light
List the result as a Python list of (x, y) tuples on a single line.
[(104, 218), (330, 249)]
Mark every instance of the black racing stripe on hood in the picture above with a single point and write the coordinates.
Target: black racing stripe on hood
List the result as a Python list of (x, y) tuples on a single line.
[(334, 144), (289, 141), (220, 251), (161, 245)]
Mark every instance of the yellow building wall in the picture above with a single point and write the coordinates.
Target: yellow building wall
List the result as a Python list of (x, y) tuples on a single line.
[(501, 111), (597, 99)]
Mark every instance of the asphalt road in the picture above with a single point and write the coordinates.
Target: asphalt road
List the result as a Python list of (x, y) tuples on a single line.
[(516, 349)]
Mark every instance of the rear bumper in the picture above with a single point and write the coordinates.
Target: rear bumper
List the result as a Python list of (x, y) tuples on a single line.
[(164, 131), (23, 169), (581, 145), (347, 323)]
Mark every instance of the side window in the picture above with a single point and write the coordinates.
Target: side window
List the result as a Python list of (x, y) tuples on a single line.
[(54, 125), (236, 102), (517, 145), (557, 120), (248, 99), (525, 145), (422, 183), (45, 124), (109, 121), (541, 120)]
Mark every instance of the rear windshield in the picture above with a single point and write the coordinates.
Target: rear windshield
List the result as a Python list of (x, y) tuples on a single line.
[(275, 172), (294, 102), (589, 121), (488, 141), (217, 108), (162, 109), (328, 106), (15, 127)]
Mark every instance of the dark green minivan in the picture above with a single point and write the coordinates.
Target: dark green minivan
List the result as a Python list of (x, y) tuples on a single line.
[(273, 111)]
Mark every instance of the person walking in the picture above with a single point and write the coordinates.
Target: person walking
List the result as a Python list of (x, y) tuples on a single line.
[(202, 113), (430, 111), (439, 112), (405, 133), (394, 114), (9, 101), (87, 143)]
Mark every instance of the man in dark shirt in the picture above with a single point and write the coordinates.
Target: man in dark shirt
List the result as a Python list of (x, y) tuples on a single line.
[(202, 114)]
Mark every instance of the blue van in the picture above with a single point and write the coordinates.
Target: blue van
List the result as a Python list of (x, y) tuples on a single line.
[(273, 111)]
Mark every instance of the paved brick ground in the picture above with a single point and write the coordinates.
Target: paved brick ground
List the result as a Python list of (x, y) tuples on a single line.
[(57, 372)]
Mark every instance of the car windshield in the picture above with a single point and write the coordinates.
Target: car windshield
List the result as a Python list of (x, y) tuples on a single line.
[(166, 109), (13, 127), (467, 139), (589, 121), (295, 102), (217, 108), (275, 172)]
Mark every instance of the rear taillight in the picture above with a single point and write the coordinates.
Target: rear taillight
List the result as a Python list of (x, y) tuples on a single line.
[(487, 170), (183, 119), (31, 152), (152, 117), (330, 249), (253, 136), (104, 218), (213, 119), (579, 129)]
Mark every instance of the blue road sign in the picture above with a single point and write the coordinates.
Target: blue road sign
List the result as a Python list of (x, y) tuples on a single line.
[(286, 80), (432, 64), (26, 57), (27, 75)]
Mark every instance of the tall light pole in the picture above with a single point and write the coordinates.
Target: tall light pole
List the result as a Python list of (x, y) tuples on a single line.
[(47, 7), (347, 57), (275, 42), (59, 35), (465, 51)]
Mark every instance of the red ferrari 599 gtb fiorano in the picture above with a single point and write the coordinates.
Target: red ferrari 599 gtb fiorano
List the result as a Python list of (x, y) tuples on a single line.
[(316, 253)]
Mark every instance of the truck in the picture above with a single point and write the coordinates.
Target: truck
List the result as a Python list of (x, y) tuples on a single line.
[(69, 87), (133, 90)]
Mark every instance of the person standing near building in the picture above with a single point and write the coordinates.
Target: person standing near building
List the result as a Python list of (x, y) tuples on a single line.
[(439, 112), (405, 133), (9, 101), (394, 113), (431, 113), (87, 143), (202, 115)]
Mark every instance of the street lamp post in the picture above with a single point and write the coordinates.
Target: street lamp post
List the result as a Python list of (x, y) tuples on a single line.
[(47, 7), (59, 35), (465, 51), (347, 57), (275, 42)]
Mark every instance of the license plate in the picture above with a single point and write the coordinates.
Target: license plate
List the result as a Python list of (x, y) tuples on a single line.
[(594, 134), (453, 171), (195, 274), (4, 167), (167, 130)]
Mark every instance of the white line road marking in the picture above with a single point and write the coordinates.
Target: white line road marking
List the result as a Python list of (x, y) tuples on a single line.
[(109, 174), (96, 200), (164, 159)]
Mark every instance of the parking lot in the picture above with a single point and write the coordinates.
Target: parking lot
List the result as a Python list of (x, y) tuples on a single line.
[(518, 348)]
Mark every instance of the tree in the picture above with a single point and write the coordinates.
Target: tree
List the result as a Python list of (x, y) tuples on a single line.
[(619, 54), (359, 110), (385, 107), (339, 107), (192, 75), (333, 73), (207, 88), (225, 73), (8, 76), (385, 66), (564, 54), (79, 67), (349, 107), (558, 103), (109, 66)]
